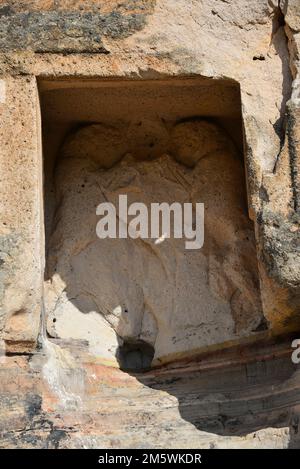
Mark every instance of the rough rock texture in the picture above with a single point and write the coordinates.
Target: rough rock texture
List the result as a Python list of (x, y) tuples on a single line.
[(249, 44), (175, 299), (64, 398), (60, 49), (20, 230), (57, 28)]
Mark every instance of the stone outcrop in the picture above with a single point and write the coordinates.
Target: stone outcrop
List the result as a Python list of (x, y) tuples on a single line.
[(64, 398), (164, 100)]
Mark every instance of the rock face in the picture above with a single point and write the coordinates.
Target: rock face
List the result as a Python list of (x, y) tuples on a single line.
[(62, 398), (161, 100), (109, 290)]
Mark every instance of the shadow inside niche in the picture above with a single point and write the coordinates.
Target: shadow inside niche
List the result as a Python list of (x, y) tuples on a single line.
[(135, 355)]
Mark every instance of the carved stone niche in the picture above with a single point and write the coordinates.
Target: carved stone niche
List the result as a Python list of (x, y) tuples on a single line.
[(137, 302)]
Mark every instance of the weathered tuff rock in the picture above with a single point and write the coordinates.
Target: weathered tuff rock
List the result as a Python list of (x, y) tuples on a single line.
[(177, 300), (49, 49), (64, 398)]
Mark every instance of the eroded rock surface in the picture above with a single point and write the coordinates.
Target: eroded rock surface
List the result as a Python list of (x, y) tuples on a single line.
[(61, 395), (176, 300)]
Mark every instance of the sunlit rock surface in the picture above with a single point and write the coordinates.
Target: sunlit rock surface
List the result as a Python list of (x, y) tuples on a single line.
[(178, 300)]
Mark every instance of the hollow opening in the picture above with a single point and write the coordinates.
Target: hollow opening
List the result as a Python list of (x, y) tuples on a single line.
[(140, 301), (135, 355)]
